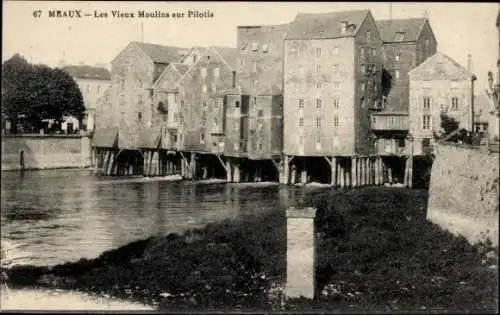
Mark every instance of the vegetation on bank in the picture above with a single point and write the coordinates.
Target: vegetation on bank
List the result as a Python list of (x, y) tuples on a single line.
[(375, 251)]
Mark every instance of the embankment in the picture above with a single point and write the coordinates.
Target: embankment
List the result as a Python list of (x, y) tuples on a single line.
[(464, 192), (45, 151)]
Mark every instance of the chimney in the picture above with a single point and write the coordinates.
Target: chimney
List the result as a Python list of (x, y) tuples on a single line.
[(343, 27), (234, 79), (469, 62)]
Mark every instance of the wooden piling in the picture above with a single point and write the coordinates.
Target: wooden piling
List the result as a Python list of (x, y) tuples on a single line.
[(389, 173), (228, 170), (334, 172), (303, 173), (341, 174), (354, 171), (286, 170), (293, 175), (236, 173), (193, 165)]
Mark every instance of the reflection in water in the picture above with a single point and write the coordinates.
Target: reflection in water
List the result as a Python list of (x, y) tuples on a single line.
[(63, 215)]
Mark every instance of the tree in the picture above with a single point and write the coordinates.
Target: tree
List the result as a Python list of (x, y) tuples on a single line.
[(38, 92)]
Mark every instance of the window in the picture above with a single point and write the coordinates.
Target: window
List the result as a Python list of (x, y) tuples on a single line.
[(260, 146), (265, 48), (203, 119), (426, 122), (214, 87), (335, 68), (202, 138), (237, 104), (139, 99), (203, 72), (396, 74), (216, 72), (182, 104), (301, 103), (318, 52), (255, 46), (335, 51), (318, 103), (216, 123), (426, 145), (139, 116), (363, 68), (454, 103), (336, 103), (318, 68), (254, 100), (362, 86), (176, 97), (204, 88), (254, 66), (254, 84), (318, 84), (204, 105), (318, 122), (335, 121), (400, 142), (427, 103), (397, 56), (374, 52), (426, 42), (362, 52), (368, 35), (301, 122)]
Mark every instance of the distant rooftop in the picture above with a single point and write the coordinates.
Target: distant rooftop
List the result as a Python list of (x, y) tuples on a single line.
[(161, 53), (229, 54), (408, 29), (87, 72), (325, 25), (440, 67)]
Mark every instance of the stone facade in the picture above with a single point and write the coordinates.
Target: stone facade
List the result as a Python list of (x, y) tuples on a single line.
[(437, 86), (329, 85)]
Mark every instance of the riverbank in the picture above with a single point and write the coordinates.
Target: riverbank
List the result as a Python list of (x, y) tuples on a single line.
[(376, 251)]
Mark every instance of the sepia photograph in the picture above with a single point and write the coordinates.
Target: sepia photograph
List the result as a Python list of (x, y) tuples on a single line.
[(250, 157)]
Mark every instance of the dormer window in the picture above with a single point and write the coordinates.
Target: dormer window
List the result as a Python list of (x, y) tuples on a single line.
[(255, 46), (351, 28), (343, 27), (400, 35), (265, 48)]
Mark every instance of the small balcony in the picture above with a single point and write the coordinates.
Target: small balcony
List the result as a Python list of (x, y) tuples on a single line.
[(389, 121)]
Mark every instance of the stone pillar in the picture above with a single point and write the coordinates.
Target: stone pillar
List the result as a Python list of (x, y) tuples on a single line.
[(236, 174), (286, 169), (228, 170), (334, 172), (354, 173), (301, 237)]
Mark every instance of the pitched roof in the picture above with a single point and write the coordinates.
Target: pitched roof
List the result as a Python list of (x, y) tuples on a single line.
[(324, 25), (105, 137), (388, 29), (88, 72), (229, 54), (439, 67), (161, 53)]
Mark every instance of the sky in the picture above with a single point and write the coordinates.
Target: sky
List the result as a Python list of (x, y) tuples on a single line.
[(460, 28)]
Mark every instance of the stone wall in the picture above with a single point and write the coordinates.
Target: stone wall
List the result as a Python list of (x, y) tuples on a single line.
[(45, 151), (463, 192)]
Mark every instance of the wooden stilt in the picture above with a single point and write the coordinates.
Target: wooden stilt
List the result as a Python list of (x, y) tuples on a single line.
[(228, 170), (389, 173), (193, 165), (407, 164), (341, 174), (376, 179), (293, 176), (303, 175), (354, 173), (286, 170), (333, 180), (410, 172)]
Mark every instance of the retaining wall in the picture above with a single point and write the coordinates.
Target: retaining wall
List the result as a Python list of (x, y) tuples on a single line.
[(45, 151), (464, 192)]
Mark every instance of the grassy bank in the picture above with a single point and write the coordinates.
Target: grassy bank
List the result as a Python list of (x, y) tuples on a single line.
[(375, 251)]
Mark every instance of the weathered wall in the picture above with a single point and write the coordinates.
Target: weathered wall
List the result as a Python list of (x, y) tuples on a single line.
[(42, 152), (463, 193)]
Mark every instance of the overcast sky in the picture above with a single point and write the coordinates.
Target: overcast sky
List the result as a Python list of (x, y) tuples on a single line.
[(460, 28)]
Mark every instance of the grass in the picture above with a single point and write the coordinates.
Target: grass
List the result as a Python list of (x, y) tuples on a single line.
[(375, 251)]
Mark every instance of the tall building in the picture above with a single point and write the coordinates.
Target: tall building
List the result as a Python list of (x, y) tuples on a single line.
[(93, 82), (332, 78)]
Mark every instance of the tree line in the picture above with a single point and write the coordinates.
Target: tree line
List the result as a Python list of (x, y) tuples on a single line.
[(34, 92)]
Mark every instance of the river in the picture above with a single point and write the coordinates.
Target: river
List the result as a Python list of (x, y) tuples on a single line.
[(54, 216)]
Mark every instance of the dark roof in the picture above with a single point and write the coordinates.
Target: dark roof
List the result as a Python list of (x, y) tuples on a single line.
[(440, 67), (149, 138), (105, 137), (229, 54), (324, 25), (88, 72), (411, 28), (162, 54)]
